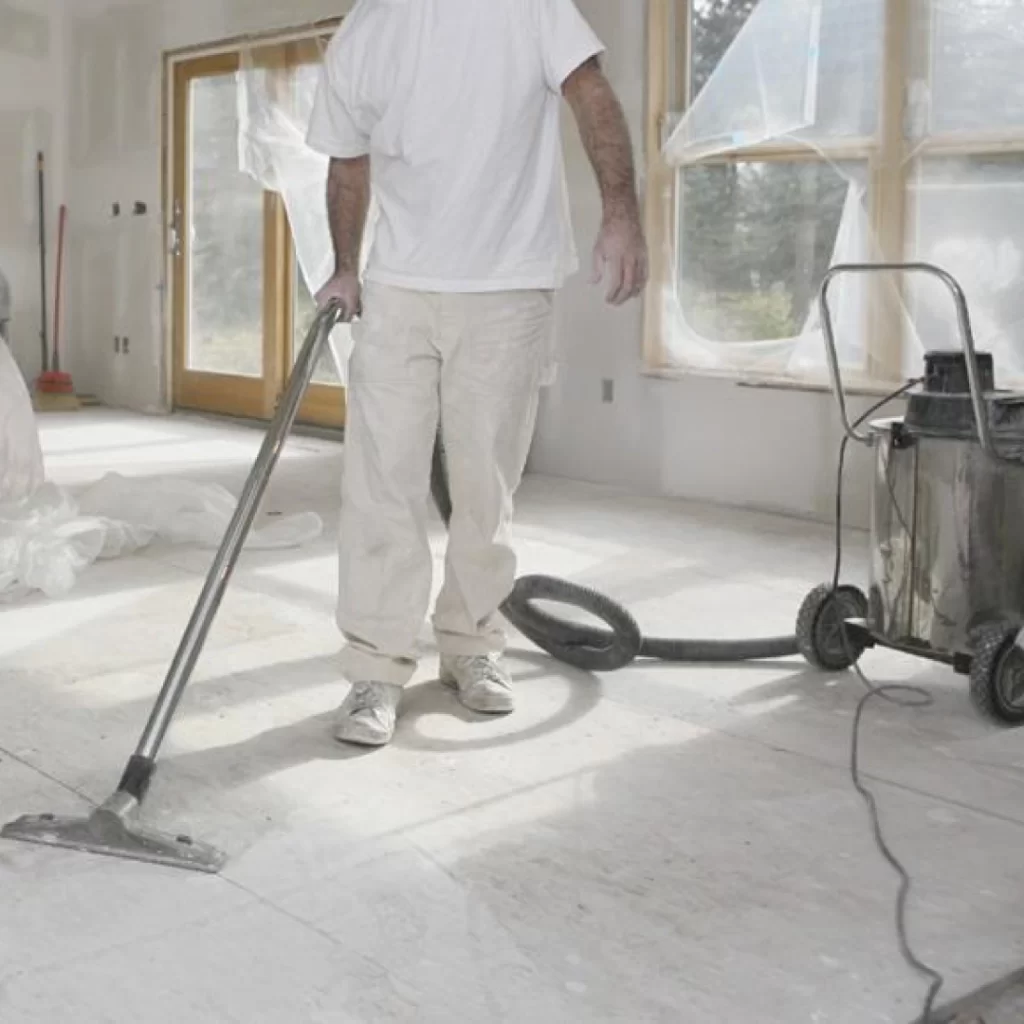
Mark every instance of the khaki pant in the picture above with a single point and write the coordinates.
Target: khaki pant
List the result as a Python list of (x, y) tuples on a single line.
[(473, 364)]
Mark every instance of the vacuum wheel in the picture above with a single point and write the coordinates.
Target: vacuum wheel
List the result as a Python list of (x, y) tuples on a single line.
[(820, 631), (997, 674)]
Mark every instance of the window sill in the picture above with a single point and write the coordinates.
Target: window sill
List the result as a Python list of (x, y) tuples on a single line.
[(772, 382)]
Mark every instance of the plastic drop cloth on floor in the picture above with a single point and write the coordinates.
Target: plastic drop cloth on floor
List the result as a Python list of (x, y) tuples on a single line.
[(21, 459), (49, 536)]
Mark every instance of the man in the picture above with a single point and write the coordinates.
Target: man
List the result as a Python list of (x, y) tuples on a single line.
[(450, 110)]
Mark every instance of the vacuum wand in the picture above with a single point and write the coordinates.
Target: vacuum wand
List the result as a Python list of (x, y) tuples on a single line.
[(140, 768), (113, 829)]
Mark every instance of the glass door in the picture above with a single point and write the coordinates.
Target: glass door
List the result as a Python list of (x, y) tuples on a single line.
[(241, 309)]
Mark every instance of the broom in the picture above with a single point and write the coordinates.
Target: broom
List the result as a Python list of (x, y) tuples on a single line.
[(55, 389)]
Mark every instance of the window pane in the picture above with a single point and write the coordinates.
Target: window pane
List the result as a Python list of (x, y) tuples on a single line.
[(801, 67), (715, 25), (969, 216), (226, 239), (850, 68), (755, 242), (977, 52)]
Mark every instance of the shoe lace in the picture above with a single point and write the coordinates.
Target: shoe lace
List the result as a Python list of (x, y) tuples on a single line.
[(365, 697), (483, 669)]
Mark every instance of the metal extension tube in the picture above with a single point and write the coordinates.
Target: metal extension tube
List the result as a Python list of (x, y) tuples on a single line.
[(113, 829)]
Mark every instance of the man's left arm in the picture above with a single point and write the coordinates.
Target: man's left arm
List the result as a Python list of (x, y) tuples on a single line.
[(620, 256)]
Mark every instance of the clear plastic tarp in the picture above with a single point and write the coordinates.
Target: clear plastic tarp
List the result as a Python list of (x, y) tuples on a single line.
[(773, 164), (806, 70), (736, 308), (275, 103), (48, 539), (966, 172), (757, 230), (21, 459), (966, 78), (49, 536), (968, 217)]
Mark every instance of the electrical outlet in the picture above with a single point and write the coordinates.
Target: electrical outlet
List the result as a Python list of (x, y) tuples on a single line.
[(607, 391)]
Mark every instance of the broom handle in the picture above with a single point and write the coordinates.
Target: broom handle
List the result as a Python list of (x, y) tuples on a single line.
[(59, 287), (44, 335)]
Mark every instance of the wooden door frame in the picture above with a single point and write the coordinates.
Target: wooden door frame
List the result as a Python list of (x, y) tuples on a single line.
[(212, 392)]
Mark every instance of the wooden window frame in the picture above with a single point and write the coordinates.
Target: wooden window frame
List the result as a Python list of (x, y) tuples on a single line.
[(668, 88)]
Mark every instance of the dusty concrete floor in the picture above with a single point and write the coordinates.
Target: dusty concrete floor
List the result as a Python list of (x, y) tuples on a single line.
[(664, 845)]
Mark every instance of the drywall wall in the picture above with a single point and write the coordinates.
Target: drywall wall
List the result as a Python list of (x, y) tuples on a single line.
[(32, 111), (704, 438), (117, 287), (701, 438)]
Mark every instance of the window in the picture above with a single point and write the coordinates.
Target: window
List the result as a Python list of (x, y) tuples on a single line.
[(779, 145), (249, 230)]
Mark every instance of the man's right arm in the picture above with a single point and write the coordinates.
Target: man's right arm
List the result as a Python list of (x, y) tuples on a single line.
[(348, 203)]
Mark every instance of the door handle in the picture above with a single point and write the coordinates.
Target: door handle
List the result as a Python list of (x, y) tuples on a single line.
[(175, 234)]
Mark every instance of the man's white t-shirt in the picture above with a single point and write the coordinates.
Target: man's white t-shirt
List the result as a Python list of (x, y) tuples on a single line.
[(458, 104)]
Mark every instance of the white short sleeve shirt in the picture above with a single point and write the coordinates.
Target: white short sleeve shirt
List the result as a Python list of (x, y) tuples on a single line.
[(458, 105)]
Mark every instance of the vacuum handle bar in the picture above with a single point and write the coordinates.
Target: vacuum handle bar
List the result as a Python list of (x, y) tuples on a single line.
[(194, 638), (966, 338)]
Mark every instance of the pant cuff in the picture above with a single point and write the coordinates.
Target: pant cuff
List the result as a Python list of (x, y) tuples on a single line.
[(460, 645), (367, 667)]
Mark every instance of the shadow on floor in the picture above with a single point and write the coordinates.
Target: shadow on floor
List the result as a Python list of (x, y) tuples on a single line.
[(274, 750)]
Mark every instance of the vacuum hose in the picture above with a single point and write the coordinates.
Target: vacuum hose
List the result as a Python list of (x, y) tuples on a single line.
[(590, 648)]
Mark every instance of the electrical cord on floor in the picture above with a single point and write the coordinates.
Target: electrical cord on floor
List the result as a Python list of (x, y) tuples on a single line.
[(605, 650), (902, 696)]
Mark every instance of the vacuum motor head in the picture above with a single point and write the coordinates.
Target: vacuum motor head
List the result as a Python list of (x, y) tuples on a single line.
[(941, 406)]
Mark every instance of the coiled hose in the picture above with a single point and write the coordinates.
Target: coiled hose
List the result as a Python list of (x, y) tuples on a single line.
[(590, 648)]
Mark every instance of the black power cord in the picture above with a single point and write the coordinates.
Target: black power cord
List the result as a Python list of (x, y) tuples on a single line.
[(902, 696), (605, 650)]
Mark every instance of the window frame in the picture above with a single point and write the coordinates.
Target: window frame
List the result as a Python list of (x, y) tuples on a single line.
[(885, 154), (324, 405)]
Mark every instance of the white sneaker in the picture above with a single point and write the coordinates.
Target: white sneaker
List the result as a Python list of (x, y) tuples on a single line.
[(482, 684), (369, 714)]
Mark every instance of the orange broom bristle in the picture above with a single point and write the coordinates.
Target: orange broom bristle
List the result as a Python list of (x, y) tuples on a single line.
[(55, 383)]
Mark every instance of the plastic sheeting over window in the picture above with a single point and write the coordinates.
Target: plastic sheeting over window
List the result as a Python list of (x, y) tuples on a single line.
[(275, 102), (805, 70), (772, 158), (968, 75), (756, 239), (966, 173), (756, 233), (968, 214)]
